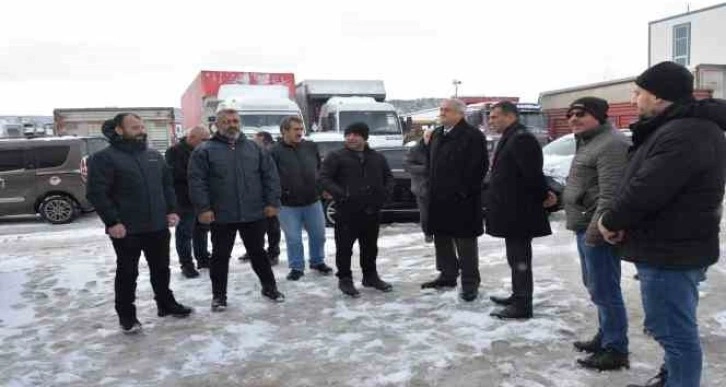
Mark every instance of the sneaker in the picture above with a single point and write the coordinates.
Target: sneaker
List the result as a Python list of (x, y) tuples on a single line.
[(656, 381), (346, 286), (189, 271), (322, 268), (174, 309), (605, 360), (295, 275), (377, 284), (592, 346), (439, 283), (131, 327), (219, 305), (273, 294)]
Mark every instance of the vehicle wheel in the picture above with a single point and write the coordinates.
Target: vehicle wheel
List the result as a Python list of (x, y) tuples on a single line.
[(329, 210), (58, 209)]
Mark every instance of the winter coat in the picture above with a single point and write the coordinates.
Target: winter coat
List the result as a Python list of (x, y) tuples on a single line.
[(236, 179), (298, 168), (517, 187), (177, 157), (415, 165), (457, 164), (360, 182), (669, 203), (594, 177), (132, 185)]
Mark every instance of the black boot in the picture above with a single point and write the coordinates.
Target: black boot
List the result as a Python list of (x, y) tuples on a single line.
[(130, 326), (322, 268), (346, 286), (189, 271), (439, 283), (219, 304), (273, 294), (172, 308), (469, 295), (518, 310), (656, 381), (592, 346), (503, 301), (605, 360), (203, 263), (377, 283), (295, 275)]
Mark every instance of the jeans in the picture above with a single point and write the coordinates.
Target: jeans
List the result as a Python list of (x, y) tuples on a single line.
[(293, 220), (670, 302), (155, 246), (191, 234), (519, 258), (253, 237), (453, 254), (601, 277), (361, 227)]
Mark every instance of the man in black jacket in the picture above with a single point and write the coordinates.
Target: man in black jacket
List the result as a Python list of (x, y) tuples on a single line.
[(667, 211), (516, 200), (457, 164), (360, 180), (298, 162), (131, 189), (416, 164), (234, 187), (189, 234)]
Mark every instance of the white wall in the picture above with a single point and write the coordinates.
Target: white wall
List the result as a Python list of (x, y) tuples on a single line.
[(708, 37)]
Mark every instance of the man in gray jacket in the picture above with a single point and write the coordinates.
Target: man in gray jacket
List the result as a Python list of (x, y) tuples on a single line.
[(234, 186), (415, 164), (594, 177)]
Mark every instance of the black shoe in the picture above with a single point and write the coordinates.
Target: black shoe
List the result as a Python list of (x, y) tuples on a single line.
[(346, 286), (189, 271), (219, 305), (594, 345), (174, 309), (515, 311), (244, 258), (322, 269), (656, 381), (503, 301), (273, 294), (378, 284), (274, 259), (439, 283), (605, 360), (203, 263), (130, 326), (469, 295), (295, 275)]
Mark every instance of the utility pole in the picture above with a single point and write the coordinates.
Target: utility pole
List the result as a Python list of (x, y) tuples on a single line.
[(456, 84)]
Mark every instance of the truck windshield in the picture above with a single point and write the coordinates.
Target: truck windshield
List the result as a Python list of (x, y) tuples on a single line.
[(259, 121), (379, 122), (533, 120)]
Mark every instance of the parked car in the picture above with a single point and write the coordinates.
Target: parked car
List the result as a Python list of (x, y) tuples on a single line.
[(45, 176)]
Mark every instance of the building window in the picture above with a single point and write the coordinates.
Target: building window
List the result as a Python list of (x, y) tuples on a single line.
[(682, 44)]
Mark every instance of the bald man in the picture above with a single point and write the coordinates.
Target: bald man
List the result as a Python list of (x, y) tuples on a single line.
[(189, 233)]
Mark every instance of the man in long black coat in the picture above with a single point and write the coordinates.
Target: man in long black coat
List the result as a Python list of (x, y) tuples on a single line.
[(515, 207), (458, 162)]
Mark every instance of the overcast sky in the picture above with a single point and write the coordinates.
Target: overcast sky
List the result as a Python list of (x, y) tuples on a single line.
[(62, 54)]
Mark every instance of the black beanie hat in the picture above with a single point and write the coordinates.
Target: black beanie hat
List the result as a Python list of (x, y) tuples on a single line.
[(597, 107), (359, 128), (667, 80)]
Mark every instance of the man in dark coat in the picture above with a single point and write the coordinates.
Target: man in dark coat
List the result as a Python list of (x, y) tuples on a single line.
[(668, 209), (131, 189), (516, 200), (416, 165), (190, 234), (457, 165), (360, 181)]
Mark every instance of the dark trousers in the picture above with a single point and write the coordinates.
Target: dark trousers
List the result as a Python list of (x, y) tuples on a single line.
[(361, 227), (155, 246), (458, 254), (191, 235), (273, 236), (253, 237), (423, 210), (519, 257)]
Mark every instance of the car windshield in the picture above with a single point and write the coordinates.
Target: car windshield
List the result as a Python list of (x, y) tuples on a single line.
[(534, 121), (564, 146), (326, 147), (379, 122), (257, 122)]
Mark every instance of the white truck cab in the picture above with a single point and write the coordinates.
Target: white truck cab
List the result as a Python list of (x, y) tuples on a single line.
[(261, 107)]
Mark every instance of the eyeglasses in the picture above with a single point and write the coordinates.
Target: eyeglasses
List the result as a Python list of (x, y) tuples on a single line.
[(578, 114)]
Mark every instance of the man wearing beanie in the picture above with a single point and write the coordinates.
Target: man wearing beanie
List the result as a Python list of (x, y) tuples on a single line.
[(667, 211), (360, 181), (594, 177)]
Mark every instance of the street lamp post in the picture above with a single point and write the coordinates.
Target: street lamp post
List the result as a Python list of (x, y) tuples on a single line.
[(456, 84)]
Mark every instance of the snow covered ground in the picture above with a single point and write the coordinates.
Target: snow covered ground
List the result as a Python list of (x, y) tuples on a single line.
[(58, 327)]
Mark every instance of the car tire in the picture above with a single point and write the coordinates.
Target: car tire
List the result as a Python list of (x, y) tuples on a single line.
[(329, 211), (58, 209)]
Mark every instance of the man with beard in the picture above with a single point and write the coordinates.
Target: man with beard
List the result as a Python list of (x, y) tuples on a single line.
[(667, 211), (131, 189), (234, 187)]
